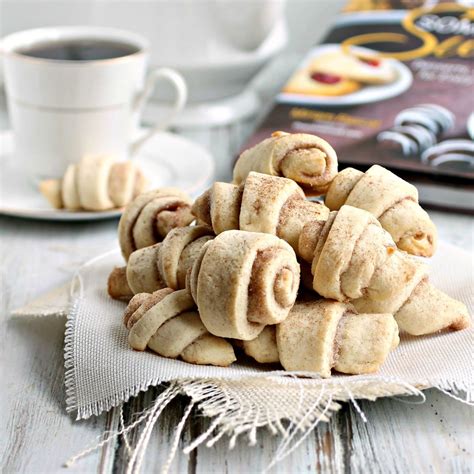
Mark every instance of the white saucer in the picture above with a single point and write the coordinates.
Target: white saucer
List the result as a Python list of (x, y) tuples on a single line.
[(167, 160), (366, 95)]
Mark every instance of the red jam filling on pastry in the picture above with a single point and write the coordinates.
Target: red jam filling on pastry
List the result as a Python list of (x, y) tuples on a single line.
[(325, 78), (370, 61)]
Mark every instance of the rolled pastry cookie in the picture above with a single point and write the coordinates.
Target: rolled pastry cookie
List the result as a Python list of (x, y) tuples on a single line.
[(51, 190), (92, 181), (306, 159), (264, 347), (242, 281), (117, 284), (393, 201), (162, 265), (420, 308), (96, 183), (262, 203), (346, 253), (150, 216), (322, 335), (142, 273), (168, 323)]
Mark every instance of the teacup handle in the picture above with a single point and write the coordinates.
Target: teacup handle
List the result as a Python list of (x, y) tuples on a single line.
[(181, 95)]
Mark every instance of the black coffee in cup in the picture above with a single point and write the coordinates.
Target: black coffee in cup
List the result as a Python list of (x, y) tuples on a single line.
[(79, 50)]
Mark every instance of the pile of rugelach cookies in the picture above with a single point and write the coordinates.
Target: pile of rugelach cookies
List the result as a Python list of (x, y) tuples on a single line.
[(255, 266)]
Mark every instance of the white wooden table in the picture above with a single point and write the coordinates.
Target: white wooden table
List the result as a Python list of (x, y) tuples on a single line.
[(38, 436)]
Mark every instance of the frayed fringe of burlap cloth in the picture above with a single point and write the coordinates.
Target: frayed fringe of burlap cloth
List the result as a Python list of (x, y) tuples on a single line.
[(291, 406)]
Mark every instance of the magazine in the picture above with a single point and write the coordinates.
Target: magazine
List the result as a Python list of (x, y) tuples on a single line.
[(393, 86)]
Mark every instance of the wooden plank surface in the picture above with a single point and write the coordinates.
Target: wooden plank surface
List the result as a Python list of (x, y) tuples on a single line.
[(400, 436), (36, 434)]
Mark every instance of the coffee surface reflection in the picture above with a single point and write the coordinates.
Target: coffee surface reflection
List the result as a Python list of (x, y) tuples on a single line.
[(79, 50)]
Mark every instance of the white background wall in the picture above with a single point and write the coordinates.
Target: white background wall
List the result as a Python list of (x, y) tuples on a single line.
[(307, 19)]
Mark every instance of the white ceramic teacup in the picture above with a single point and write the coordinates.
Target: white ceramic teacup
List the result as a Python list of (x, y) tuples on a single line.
[(63, 109)]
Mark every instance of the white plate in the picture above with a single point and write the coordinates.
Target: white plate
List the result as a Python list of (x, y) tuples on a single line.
[(167, 160), (365, 95)]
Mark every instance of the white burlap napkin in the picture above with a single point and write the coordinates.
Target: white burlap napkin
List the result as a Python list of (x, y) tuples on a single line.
[(102, 371)]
